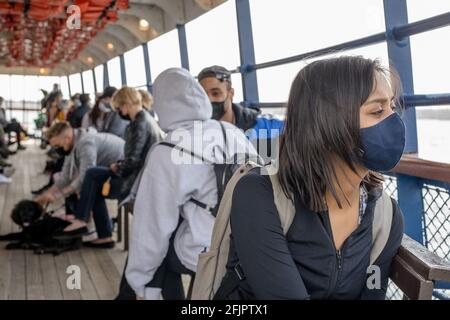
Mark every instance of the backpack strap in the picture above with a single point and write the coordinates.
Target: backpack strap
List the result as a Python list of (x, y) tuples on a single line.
[(285, 206), (194, 155), (381, 227), (207, 207)]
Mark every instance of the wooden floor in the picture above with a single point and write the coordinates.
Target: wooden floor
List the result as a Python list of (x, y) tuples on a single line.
[(24, 275)]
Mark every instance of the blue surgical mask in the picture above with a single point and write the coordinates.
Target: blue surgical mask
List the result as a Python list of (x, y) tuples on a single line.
[(382, 145)]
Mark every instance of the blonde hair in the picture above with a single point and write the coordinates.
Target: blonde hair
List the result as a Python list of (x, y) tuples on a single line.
[(56, 129), (147, 99), (126, 95)]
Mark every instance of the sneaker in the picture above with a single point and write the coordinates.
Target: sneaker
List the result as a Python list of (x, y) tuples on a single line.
[(4, 179), (21, 147), (92, 232)]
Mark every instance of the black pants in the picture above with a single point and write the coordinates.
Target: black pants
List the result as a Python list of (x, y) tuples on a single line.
[(167, 277)]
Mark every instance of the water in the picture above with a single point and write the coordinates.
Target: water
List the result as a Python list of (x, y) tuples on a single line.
[(434, 139)]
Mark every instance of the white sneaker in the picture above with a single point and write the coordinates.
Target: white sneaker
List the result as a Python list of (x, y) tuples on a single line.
[(4, 180), (92, 232)]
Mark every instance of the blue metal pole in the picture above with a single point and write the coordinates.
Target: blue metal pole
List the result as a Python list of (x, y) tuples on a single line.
[(148, 73), (123, 70), (183, 46), (409, 188), (247, 53), (68, 85), (105, 76), (82, 82), (94, 78)]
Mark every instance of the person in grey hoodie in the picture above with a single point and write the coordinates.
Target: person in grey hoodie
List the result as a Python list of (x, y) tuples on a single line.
[(169, 230), (83, 149)]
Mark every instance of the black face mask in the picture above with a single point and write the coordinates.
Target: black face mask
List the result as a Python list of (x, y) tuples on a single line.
[(123, 116), (62, 152), (218, 110)]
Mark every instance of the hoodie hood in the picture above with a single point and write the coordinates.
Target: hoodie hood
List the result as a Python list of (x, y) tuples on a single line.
[(179, 99)]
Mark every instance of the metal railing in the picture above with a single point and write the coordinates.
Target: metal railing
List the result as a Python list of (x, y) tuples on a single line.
[(436, 226)]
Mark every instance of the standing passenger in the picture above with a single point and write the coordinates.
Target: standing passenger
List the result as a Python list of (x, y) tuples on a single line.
[(170, 228)]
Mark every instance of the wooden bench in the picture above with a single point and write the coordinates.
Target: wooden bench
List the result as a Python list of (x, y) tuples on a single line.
[(123, 224), (415, 269)]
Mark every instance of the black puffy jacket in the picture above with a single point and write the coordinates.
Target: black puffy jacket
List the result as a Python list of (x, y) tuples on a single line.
[(140, 135), (245, 118)]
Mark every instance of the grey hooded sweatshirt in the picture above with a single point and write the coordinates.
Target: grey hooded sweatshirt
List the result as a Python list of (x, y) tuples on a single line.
[(170, 179), (90, 149)]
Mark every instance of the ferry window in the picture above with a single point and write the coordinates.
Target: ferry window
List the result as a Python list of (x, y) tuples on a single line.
[(17, 88), (432, 133), (99, 77), (292, 29), (134, 61), (89, 84), (32, 88), (64, 87), (164, 53), (4, 86), (115, 78), (75, 83), (212, 39), (426, 49), (45, 83), (419, 9), (275, 83)]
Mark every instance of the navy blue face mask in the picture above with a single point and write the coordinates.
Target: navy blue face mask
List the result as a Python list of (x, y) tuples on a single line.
[(382, 144)]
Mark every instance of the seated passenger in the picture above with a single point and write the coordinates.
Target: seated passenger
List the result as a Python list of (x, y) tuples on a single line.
[(82, 107), (83, 149), (341, 131), (12, 126), (140, 135), (113, 122), (147, 102), (170, 227)]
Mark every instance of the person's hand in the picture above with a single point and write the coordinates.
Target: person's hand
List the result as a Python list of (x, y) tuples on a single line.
[(114, 167), (140, 298), (45, 198)]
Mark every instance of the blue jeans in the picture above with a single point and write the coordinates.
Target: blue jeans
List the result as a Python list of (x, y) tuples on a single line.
[(91, 199)]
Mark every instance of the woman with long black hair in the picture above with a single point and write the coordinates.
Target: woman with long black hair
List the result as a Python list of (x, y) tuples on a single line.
[(341, 130)]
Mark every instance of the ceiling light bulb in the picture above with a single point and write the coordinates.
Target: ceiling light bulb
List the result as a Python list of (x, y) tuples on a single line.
[(143, 25)]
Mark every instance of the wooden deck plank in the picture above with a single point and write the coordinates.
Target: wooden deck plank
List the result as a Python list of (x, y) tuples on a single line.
[(105, 289), (52, 285), (34, 285), (17, 290)]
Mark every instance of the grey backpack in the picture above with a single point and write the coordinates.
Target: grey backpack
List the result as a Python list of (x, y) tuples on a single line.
[(211, 266)]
